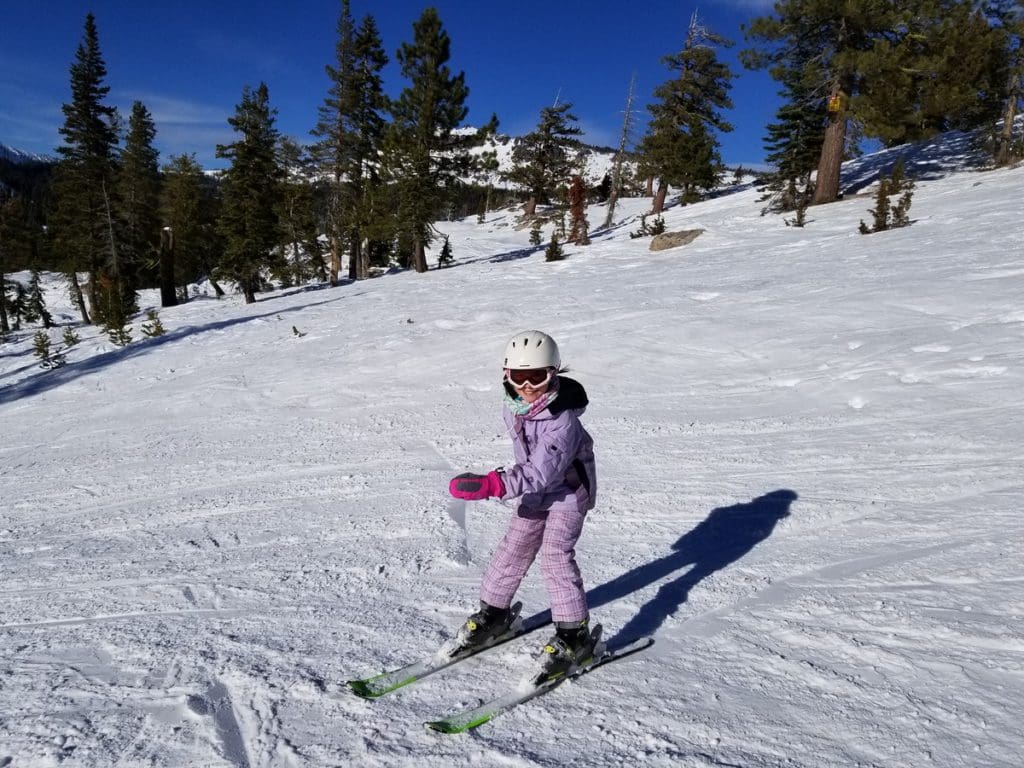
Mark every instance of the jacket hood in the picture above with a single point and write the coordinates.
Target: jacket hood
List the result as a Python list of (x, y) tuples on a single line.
[(571, 396)]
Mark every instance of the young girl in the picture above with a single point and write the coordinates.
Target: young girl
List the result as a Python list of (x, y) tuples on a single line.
[(554, 479)]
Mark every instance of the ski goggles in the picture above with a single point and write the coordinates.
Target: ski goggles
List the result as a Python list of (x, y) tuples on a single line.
[(535, 377)]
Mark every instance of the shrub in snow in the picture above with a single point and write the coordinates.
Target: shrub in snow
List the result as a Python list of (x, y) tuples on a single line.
[(120, 336), (656, 227), (554, 251), (886, 215), (70, 338), (445, 257), (153, 327), (48, 357)]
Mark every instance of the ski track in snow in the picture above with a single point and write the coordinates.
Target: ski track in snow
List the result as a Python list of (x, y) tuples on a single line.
[(809, 448)]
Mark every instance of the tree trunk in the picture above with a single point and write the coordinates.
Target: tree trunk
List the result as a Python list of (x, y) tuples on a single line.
[(353, 257), (649, 189), (92, 296), (318, 260), (613, 198), (659, 198), (168, 287), (298, 270), (531, 206), (335, 247), (4, 324), (419, 256), (826, 188), (627, 122), (364, 259), (76, 296), (248, 289), (1004, 142)]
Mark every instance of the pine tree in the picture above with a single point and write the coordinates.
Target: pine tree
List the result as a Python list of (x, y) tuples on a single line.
[(939, 70), (426, 156), (17, 303), (484, 175), (554, 250), (794, 140), (189, 243), (370, 127), (119, 335), (842, 34), (680, 147), (70, 337), (13, 248), (153, 326), (334, 129), (48, 357), (543, 160), (901, 71), (139, 195), (84, 185), (445, 257), (350, 131), (179, 211), (36, 302), (297, 214), (251, 190)]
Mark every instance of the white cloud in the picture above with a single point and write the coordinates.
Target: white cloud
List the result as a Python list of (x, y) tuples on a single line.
[(167, 110)]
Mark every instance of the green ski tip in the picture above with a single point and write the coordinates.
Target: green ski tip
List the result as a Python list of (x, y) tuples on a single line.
[(365, 690), (360, 688), (447, 726)]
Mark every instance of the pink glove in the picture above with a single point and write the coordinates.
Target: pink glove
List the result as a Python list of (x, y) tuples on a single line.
[(476, 487)]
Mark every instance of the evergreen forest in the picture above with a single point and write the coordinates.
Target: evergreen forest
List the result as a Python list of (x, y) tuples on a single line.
[(365, 192)]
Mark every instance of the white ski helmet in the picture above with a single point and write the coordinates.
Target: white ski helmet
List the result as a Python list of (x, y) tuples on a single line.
[(531, 349)]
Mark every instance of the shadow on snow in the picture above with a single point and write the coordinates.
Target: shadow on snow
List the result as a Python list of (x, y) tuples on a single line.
[(56, 377), (725, 536)]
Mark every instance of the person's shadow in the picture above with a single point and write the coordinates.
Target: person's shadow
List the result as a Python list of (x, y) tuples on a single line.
[(726, 535)]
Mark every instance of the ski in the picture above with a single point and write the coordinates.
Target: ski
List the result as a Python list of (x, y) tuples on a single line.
[(467, 719), (392, 680)]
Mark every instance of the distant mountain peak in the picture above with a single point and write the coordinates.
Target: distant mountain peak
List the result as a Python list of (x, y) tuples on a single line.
[(21, 157)]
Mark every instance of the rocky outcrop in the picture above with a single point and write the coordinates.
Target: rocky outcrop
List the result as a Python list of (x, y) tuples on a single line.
[(667, 240)]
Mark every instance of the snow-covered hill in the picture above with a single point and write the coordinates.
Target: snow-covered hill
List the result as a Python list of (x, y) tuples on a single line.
[(809, 447)]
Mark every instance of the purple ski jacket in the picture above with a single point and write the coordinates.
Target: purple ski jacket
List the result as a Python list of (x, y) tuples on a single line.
[(554, 454)]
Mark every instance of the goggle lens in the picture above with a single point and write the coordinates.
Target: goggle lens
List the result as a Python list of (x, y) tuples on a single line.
[(536, 377)]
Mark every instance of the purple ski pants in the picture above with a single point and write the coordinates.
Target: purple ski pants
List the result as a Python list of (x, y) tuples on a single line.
[(553, 533)]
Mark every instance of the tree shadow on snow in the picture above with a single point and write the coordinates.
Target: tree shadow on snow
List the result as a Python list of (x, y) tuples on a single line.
[(50, 379), (725, 536)]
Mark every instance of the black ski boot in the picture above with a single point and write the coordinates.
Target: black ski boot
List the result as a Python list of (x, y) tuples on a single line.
[(485, 627), (572, 646)]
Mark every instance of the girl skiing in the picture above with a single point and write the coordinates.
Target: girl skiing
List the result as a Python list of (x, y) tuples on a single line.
[(555, 482)]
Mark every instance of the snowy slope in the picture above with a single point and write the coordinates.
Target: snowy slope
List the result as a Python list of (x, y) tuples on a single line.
[(809, 447)]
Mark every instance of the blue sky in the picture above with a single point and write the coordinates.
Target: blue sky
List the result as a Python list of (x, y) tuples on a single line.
[(188, 61)]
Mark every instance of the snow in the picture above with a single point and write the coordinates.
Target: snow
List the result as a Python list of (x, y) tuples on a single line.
[(595, 163), (19, 156), (809, 448)]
